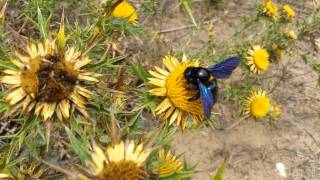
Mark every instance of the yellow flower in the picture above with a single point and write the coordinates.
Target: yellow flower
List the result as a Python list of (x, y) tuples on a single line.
[(47, 81), (276, 111), (289, 11), (258, 59), (278, 52), (168, 164), (173, 87), (257, 104), (121, 161), (291, 34), (126, 10), (270, 9)]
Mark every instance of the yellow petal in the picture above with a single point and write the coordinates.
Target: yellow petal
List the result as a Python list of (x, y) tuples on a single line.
[(32, 50), (174, 117), (163, 106), (158, 91), (162, 71), (64, 107), (98, 158), (157, 82), (84, 92), (157, 75), (168, 63), (48, 110), (17, 63), (38, 109), (16, 96), (23, 58), (10, 80), (78, 100), (87, 77), (11, 72), (81, 63)]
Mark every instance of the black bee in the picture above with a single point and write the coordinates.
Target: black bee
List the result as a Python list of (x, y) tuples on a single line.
[(205, 81)]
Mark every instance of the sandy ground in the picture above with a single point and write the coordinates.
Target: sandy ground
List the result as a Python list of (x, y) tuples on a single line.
[(255, 147)]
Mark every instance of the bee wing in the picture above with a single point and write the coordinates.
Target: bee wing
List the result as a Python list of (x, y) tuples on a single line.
[(224, 69), (206, 99)]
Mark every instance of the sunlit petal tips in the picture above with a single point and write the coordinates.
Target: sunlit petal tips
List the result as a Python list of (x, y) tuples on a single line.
[(46, 82), (124, 160), (171, 84)]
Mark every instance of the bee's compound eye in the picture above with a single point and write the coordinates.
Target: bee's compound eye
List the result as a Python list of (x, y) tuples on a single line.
[(203, 74)]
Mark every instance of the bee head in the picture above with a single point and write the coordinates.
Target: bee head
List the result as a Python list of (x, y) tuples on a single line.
[(190, 74)]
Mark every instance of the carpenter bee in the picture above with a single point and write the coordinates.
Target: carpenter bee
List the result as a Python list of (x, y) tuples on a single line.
[(205, 81)]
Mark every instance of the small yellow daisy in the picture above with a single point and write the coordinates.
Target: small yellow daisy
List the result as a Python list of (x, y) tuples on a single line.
[(275, 111), (291, 34), (172, 85), (290, 13), (258, 59), (278, 52), (168, 164), (257, 104), (270, 9), (121, 161), (126, 10)]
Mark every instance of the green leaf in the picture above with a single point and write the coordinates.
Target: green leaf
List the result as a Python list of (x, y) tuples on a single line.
[(43, 25), (77, 146), (139, 70), (220, 171)]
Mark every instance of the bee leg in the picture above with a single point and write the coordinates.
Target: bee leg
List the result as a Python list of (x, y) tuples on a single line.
[(195, 97)]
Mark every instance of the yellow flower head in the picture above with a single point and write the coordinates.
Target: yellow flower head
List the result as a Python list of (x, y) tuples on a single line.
[(168, 164), (126, 10), (258, 59), (121, 161), (278, 52), (172, 85), (257, 104), (289, 11), (270, 9), (291, 34), (276, 111), (47, 81)]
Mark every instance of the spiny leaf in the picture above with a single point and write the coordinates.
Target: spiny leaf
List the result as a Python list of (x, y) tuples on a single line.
[(76, 145), (220, 171), (43, 25)]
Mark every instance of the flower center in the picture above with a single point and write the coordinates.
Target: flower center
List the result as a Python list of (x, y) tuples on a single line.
[(51, 80), (260, 106), (178, 92), (261, 59), (122, 170)]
